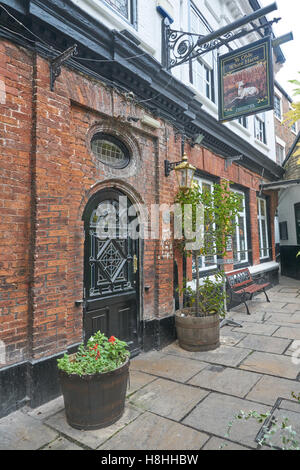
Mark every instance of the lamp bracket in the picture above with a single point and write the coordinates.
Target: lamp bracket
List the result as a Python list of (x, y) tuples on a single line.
[(57, 62), (182, 46), (169, 166), (230, 160)]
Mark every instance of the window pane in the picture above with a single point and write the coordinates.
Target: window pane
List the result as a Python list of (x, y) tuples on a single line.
[(242, 236), (122, 6)]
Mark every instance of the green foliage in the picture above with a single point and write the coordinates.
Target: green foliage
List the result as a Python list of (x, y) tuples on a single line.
[(98, 356), (221, 206), (288, 436), (293, 115), (211, 296)]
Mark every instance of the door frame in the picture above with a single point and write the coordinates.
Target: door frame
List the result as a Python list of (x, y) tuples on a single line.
[(90, 205)]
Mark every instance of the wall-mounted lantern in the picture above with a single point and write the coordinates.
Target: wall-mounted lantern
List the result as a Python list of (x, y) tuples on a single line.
[(184, 172)]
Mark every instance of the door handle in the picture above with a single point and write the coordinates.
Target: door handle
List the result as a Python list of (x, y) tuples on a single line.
[(79, 302), (135, 264)]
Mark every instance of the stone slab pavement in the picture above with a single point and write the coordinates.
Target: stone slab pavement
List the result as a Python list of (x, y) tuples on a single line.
[(180, 400)]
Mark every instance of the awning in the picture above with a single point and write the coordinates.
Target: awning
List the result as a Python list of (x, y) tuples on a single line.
[(282, 184)]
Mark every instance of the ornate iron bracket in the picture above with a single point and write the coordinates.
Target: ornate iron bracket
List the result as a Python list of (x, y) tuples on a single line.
[(56, 63), (181, 46)]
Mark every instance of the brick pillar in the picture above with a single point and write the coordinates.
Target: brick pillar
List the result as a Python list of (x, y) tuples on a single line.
[(254, 229), (49, 289)]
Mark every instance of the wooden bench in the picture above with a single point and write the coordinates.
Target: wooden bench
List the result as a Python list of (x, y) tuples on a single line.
[(241, 284)]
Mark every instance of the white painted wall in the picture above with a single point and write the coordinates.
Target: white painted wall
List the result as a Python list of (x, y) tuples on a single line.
[(217, 13), (286, 212)]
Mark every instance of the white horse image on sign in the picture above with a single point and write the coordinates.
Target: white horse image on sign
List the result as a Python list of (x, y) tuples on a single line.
[(245, 92)]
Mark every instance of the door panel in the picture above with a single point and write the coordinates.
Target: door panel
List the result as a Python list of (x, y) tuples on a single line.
[(111, 271)]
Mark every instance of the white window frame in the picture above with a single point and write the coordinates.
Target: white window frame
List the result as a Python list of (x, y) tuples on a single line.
[(114, 9), (207, 85), (278, 144), (260, 218), (279, 117), (295, 130), (210, 266), (243, 213), (260, 132), (243, 121), (204, 85)]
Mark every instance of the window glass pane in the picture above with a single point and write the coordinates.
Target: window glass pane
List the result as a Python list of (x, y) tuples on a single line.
[(122, 6), (262, 207), (108, 152), (242, 236)]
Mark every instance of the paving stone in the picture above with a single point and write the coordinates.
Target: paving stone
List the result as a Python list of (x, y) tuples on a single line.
[(288, 332), (46, 410), (62, 444), (283, 319), (93, 438), (180, 369), (294, 349), (230, 338), (290, 405), (272, 364), (289, 290), (137, 381), (215, 443), (255, 317), (257, 328), (169, 399), (268, 389), (264, 343), (224, 355), (215, 412), (150, 431), (232, 381), (19, 431), (293, 421), (291, 307)]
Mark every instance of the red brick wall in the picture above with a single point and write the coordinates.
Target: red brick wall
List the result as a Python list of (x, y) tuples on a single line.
[(49, 174), (282, 129), (15, 195)]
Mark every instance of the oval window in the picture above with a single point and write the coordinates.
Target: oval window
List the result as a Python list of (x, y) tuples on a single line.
[(109, 150)]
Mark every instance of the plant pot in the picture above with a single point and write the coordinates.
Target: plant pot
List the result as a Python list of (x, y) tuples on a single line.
[(197, 333), (94, 401)]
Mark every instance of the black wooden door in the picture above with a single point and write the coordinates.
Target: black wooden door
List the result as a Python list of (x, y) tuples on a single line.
[(111, 277)]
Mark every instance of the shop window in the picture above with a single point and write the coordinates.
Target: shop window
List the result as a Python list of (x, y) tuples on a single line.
[(110, 150), (239, 238), (263, 233)]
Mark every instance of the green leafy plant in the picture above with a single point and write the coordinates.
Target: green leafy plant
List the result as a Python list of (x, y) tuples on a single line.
[(293, 115), (221, 207), (211, 297), (98, 356), (288, 436)]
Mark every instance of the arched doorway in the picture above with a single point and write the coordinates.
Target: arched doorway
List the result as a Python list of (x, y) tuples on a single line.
[(111, 268)]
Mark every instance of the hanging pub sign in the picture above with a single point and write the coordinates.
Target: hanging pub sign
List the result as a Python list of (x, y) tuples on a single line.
[(246, 82)]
